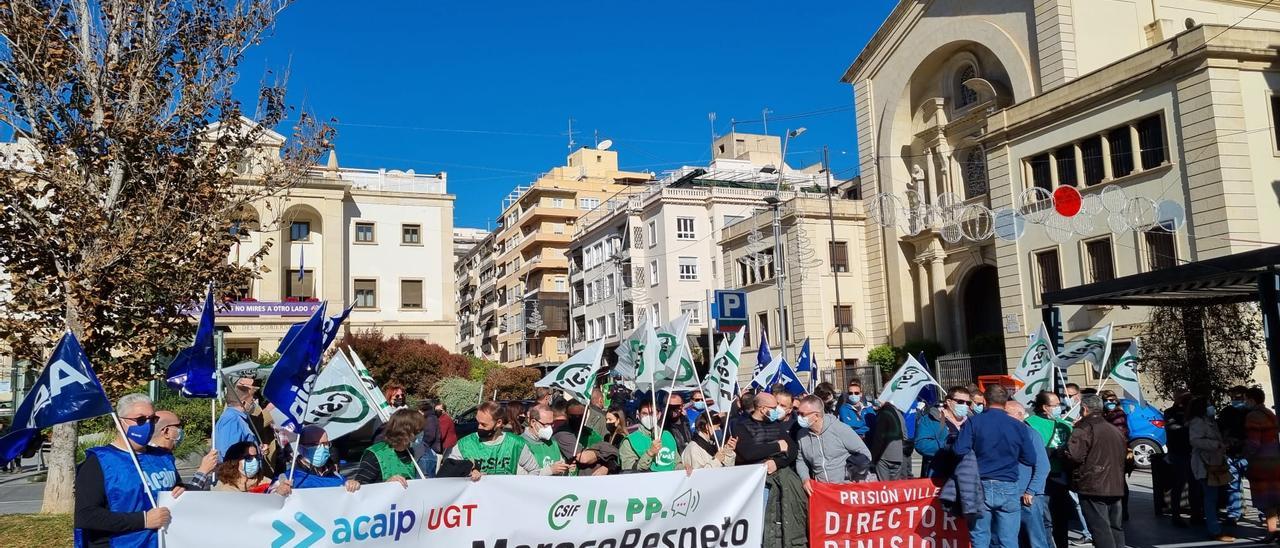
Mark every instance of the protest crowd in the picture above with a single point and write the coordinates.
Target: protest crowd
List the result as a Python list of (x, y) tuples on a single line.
[(1015, 474)]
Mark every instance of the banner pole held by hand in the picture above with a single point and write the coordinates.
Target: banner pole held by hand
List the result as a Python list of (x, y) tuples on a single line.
[(146, 487)]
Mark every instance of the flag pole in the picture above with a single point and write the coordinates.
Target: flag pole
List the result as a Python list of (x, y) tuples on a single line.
[(382, 413), (134, 457)]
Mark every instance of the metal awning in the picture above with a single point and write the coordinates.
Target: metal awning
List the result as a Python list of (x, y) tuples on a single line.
[(1227, 279)]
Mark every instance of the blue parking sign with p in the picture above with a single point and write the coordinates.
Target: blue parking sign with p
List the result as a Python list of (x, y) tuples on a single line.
[(730, 309)]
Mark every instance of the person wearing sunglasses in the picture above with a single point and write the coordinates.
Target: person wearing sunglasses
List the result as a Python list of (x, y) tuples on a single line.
[(241, 470), (855, 412), (697, 406), (111, 507), (938, 428)]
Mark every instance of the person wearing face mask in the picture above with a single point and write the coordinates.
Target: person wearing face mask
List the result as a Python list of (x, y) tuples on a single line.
[(697, 406), (1231, 423), (1208, 463), (567, 432), (677, 422), (855, 412), (703, 451), (537, 437), (1054, 432), (1096, 452), (233, 425), (764, 439), (827, 393), (491, 450), (641, 453), (168, 434), (394, 393), (241, 470), (316, 466), (111, 508), (937, 428), (1036, 527), (830, 451), (615, 426)]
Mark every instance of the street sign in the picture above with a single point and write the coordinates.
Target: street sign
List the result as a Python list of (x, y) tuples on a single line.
[(730, 310)]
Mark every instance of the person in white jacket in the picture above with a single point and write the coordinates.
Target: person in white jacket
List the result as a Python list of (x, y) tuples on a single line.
[(702, 451), (1208, 462), (826, 445)]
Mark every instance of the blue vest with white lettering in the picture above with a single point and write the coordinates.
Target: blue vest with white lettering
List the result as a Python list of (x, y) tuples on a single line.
[(124, 491)]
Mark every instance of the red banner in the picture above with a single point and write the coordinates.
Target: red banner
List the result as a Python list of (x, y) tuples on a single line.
[(886, 514)]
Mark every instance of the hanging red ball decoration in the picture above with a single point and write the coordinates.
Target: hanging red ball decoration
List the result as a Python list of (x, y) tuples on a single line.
[(1067, 201)]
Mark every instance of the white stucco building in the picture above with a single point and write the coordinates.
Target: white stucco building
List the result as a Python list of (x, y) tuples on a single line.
[(978, 103)]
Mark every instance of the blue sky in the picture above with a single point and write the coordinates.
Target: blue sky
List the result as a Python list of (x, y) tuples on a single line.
[(484, 90)]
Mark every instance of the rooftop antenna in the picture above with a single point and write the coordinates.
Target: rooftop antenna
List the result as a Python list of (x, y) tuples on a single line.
[(596, 133), (711, 116), (733, 125), (604, 145), (571, 143), (764, 117)]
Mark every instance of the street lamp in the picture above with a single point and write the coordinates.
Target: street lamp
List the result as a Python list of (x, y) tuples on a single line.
[(779, 274)]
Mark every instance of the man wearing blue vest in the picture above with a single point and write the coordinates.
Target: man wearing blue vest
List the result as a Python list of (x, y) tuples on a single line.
[(112, 510)]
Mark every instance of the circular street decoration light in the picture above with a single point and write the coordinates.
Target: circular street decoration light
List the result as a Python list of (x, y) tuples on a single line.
[(1114, 199), (1066, 201), (1034, 203), (1009, 224), (1059, 228), (1170, 215)]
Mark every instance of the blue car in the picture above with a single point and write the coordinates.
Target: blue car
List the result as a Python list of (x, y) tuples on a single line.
[(1146, 432)]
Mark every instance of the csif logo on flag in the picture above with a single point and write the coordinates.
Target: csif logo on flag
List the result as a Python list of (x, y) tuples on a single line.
[(910, 378), (569, 508), (574, 374), (1127, 364)]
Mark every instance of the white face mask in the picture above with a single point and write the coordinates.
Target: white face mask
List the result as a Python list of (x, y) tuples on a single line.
[(544, 433), (647, 422)]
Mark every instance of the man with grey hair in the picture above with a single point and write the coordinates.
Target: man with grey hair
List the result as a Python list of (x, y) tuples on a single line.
[(537, 435), (1000, 444), (830, 451), (1097, 449), (1031, 480), (112, 503)]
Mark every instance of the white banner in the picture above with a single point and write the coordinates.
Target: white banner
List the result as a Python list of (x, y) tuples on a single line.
[(577, 375), (1125, 373), (712, 507), (721, 385), (338, 401)]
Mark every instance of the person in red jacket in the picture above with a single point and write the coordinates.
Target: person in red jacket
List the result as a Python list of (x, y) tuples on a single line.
[(448, 432)]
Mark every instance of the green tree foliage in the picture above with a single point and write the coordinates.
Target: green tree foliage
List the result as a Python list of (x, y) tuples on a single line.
[(481, 368), (884, 357), (457, 394), (1204, 349), (415, 363)]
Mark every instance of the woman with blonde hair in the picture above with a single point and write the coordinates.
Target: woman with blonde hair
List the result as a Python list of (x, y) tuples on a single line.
[(391, 459)]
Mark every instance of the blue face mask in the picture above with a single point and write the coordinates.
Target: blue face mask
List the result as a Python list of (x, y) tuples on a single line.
[(1111, 406), (1210, 412), (317, 456), (140, 433), (977, 408), (249, 467), (803, 421), (855, 398), (1055, 412), (775, 414), (1238, 404), (700, 405), (961, 410)]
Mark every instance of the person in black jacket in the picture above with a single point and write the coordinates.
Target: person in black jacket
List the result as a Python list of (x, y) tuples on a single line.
[(886, 443), (765, 438), (1178, 461)]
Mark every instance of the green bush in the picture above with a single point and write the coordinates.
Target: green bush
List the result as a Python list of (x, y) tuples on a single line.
[(885, 358), (481, 368), (457, 394)]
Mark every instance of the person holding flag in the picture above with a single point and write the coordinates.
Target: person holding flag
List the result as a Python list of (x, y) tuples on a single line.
[(113, 506), (315, 466), (234, 425), (643, 450)]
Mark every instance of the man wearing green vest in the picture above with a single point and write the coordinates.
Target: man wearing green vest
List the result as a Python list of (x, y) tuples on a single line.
[(641, 453), (1055, 431), (537, 437), (490, 450)]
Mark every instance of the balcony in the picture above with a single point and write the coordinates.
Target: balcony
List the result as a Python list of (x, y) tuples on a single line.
[(541, 211)]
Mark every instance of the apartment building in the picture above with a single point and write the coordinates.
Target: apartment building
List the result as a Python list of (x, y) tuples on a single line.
[(655, 250), (477, 300), (531, 269), (380, 241), (822, 277), (989, 103), (465, 239)]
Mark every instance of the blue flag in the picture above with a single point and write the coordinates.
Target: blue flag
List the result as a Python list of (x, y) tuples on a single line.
[(787, 376), (66, 391), (290, 381), (763, 356), (193, 372), (331, 327), (804, 364), (930, 394)]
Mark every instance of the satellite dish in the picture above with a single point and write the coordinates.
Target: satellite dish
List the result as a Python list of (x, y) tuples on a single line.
[(605, 144)]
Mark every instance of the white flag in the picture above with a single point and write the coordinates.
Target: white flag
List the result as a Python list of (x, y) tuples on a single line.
[(638, 355), (1036, 368), (338, 401), (577, 374), (374, 391), (905, 386), (1095, 348), (677, 371), (1125, 372), (721, 385), (764, 377)]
